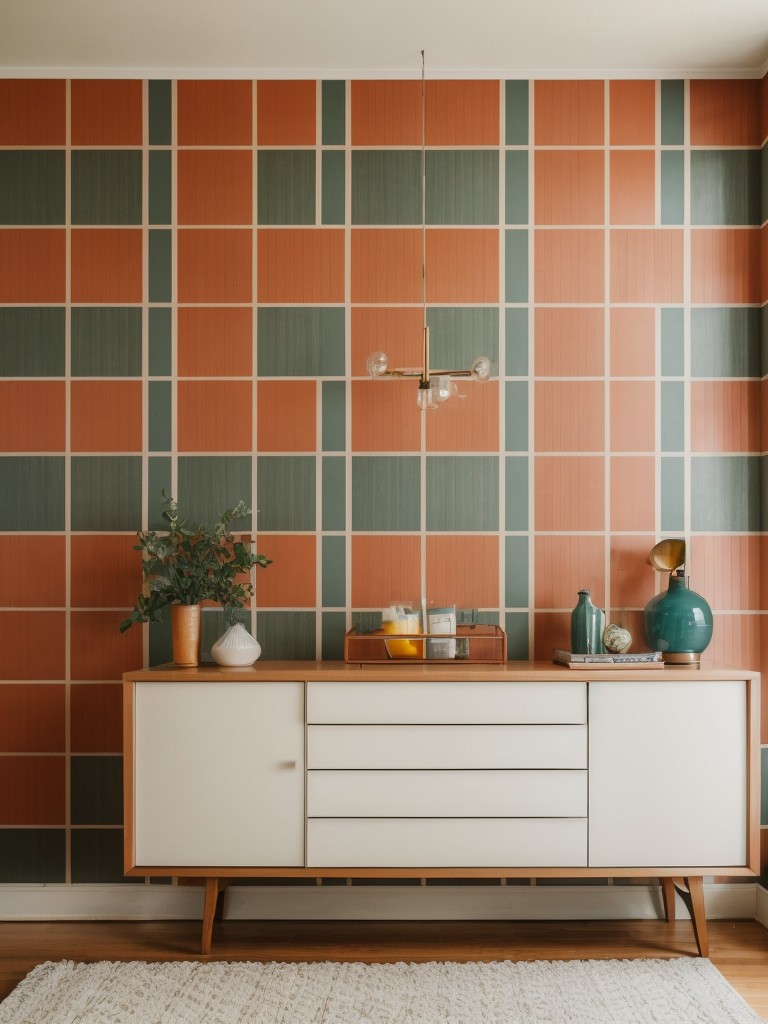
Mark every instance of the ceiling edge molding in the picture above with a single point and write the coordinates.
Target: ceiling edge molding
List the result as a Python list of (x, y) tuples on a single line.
[(549, 74)]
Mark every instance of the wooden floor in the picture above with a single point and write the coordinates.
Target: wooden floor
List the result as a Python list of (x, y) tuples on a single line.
[(739, 949)]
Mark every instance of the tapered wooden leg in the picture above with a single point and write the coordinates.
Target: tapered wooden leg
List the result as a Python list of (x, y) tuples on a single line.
[(668, 896), (692, 894), (213, 890)]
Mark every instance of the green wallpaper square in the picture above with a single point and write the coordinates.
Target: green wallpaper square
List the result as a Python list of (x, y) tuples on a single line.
[(516, 342), (32, 187), (516, 416), (31, 493), (32, 341), (334, 626), (462, 493), (36, 856), (160, 642), (457, 335), (106, 492), (333, 187), (97, 856), (286, 186), (334, 572), (516, 493), (160, 342), (300, 341), (386, 187), (160, 424), (516, 265), (333, 94), (106, 186), (673, 186), (516, 572), (672, 416), (516, 625), (725, 186), (96, 790), (672, 494), (672, 342), (334, 482), (386, 493), (160, 112), (516, 112), (462, 186), (334, 415), (726, 493), (106, 341), (160, 273), (287, 635), (672, 113), (158, 482), (725, 342), (209, 484), (160, 189), (286, 490), (516, 187)]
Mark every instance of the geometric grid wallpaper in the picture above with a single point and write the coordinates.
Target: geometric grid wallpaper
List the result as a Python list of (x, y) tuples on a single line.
[(192, 275)]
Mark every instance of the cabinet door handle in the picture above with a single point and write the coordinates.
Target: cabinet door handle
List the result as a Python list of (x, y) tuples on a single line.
[(288, 764)]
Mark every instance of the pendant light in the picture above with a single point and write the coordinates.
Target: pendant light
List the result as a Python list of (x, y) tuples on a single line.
[(435, 386)]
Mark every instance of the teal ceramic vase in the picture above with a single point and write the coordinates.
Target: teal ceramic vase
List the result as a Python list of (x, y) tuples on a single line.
[(678, 622), (587, 623)]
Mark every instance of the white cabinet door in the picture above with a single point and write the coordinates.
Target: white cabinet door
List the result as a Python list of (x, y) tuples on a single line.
[(667, 773), (219, 774)]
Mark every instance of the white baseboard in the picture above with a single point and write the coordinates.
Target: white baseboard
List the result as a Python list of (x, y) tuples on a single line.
[(361, 902)]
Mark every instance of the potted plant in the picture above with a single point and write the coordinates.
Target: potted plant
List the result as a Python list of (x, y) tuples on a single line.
[(188, 565)]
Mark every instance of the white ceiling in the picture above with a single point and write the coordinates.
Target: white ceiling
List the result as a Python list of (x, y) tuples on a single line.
[(382, 38)]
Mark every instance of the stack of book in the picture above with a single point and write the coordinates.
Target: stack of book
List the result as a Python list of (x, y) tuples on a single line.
[(641, 660)]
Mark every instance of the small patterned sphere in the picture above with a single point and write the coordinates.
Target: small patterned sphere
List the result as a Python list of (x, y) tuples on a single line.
[(617, 640)]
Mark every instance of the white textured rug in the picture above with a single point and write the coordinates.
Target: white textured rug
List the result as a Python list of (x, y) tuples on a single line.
[(680, 991)]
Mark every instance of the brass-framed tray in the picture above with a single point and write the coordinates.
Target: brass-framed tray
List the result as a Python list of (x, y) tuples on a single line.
[(474, 645)]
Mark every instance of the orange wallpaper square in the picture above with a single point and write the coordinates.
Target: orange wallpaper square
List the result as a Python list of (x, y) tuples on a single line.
[(569, 416), (736, 640), (33, 265), (33, 112), (96, 718), (726, 416), (391, 329), (99, 650), (32, 790), (633, 416), (633, 581), (462, 113), (106, 112), (463, 570), (728, 570), (32, 416), (301, 265), (215, 265), (565, 565), (32, 644), (462, 265), (291, 581), (386, 113), (551, 630), (105, 570), (215, 113), (569, 265), (569, 187), (725, 112), (107, 265), (633, 342), (215, 341), (215, 416), (215, 186), (569, 492), (633, 186), (286, 113), (469, 422), (569, 113), (633, 113), (725, 265), (385, 570), (32, 718), (385, 417), (32, 571), (286, 412), (633, 493), (569, 342), (647, 265), (106, 416), (386, 265)]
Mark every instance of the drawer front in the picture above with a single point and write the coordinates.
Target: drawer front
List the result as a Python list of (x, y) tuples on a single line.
[(447, 794), (446, 842), (447, 702), (446, 746)]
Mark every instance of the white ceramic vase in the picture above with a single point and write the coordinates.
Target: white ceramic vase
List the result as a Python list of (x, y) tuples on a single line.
[(236, 648)]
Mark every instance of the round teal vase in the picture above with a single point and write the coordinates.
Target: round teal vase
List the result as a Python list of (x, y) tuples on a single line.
[(678, 622)]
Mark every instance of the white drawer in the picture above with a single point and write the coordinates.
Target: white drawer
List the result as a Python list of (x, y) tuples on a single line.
[(447, 794), (434, 703), (447, 746), (446, 842)]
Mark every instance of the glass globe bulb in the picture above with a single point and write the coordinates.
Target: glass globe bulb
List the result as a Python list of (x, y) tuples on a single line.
[(481, 368), (441, 388), (377, 363)]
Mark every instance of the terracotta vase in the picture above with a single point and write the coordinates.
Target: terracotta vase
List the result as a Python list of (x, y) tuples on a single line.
[(185, 626)]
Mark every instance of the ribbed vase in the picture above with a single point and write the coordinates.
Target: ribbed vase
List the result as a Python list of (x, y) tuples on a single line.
[(185, 628), (236, 648)]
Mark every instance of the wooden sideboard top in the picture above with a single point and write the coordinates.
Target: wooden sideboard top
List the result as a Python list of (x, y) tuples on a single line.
[(513, 671)]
